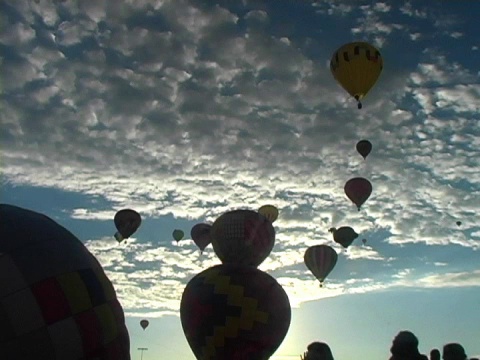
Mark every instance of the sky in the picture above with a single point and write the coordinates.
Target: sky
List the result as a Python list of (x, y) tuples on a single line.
[(183, 110)]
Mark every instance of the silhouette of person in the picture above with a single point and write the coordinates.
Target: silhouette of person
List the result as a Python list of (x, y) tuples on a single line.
[(405, 347), (454, 351), (317, 351), (435, 354)]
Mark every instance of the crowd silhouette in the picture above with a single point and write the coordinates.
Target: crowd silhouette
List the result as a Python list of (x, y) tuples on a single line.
[(404, 347)]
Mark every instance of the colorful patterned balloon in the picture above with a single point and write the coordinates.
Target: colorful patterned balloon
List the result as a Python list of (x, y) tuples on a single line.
[(242, 237), (55, 300), (234, 312)]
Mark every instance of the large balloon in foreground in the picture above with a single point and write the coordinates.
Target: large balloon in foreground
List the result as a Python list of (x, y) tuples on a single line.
[(344, 235), (55, 300), (144, 323), (320, 260), (358, 190), (269, 211), (178, 234), (364, 147), (127, 222), (234, 312), (242, 237), (200, 234), (356, 66)]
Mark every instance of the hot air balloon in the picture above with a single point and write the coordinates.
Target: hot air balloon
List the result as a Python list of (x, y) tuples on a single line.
[(356, 67), (144, 323), (234, 312), (364, 147), (178, 234), (56, 302), (364, 241), (358, 190), (242, 237), (127, 222), (344, 235), (269, 211), (200, 234), (320, 260), (459, 223)]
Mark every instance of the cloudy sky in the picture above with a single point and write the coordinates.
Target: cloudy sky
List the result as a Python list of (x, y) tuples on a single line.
[(184, 109)]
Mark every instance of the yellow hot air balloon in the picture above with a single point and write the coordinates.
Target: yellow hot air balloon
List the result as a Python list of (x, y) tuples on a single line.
[(356, 66), (269, 211)]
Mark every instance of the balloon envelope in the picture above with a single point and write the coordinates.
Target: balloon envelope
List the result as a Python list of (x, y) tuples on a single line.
[(178, 234), (200, 234), (358, 190), (56, 302), (459, 223), (127, 222), (364, 147), (269, 211), (344, 235), (144, 323), (234, 312), (242, 237), (356, 67), (320, 260)]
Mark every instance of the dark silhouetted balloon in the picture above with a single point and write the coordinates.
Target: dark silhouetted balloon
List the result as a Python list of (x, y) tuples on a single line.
[(459, 223), (55, 300), (344, 235), (358, 190), (234, 312), (200, 234), (242, 237), (127, 222), (144, 323), (320, 260), (178, 234), (364, 147)]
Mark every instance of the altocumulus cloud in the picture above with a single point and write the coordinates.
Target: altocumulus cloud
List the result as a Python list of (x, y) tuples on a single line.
[(190, 109)]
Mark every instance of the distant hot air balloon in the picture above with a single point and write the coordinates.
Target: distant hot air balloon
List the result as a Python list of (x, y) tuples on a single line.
[(358, 190), (234, 312), (242, 237), (200, 234), (364, 147), (320, 260), (364, 241), (356, 66), (459, 223), (56, 302), (178, 234), (144, 324), (344, 235), (127, 222), (269, 211)]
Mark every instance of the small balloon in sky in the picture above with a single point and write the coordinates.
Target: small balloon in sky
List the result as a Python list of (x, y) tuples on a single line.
[(343, 235), (127, 221), (356, 67), (178, 234), (320, 260), (269, 211), (358, 190), (144, 323), (200, 234), (364, 147), (459, 223), (364, 241)]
